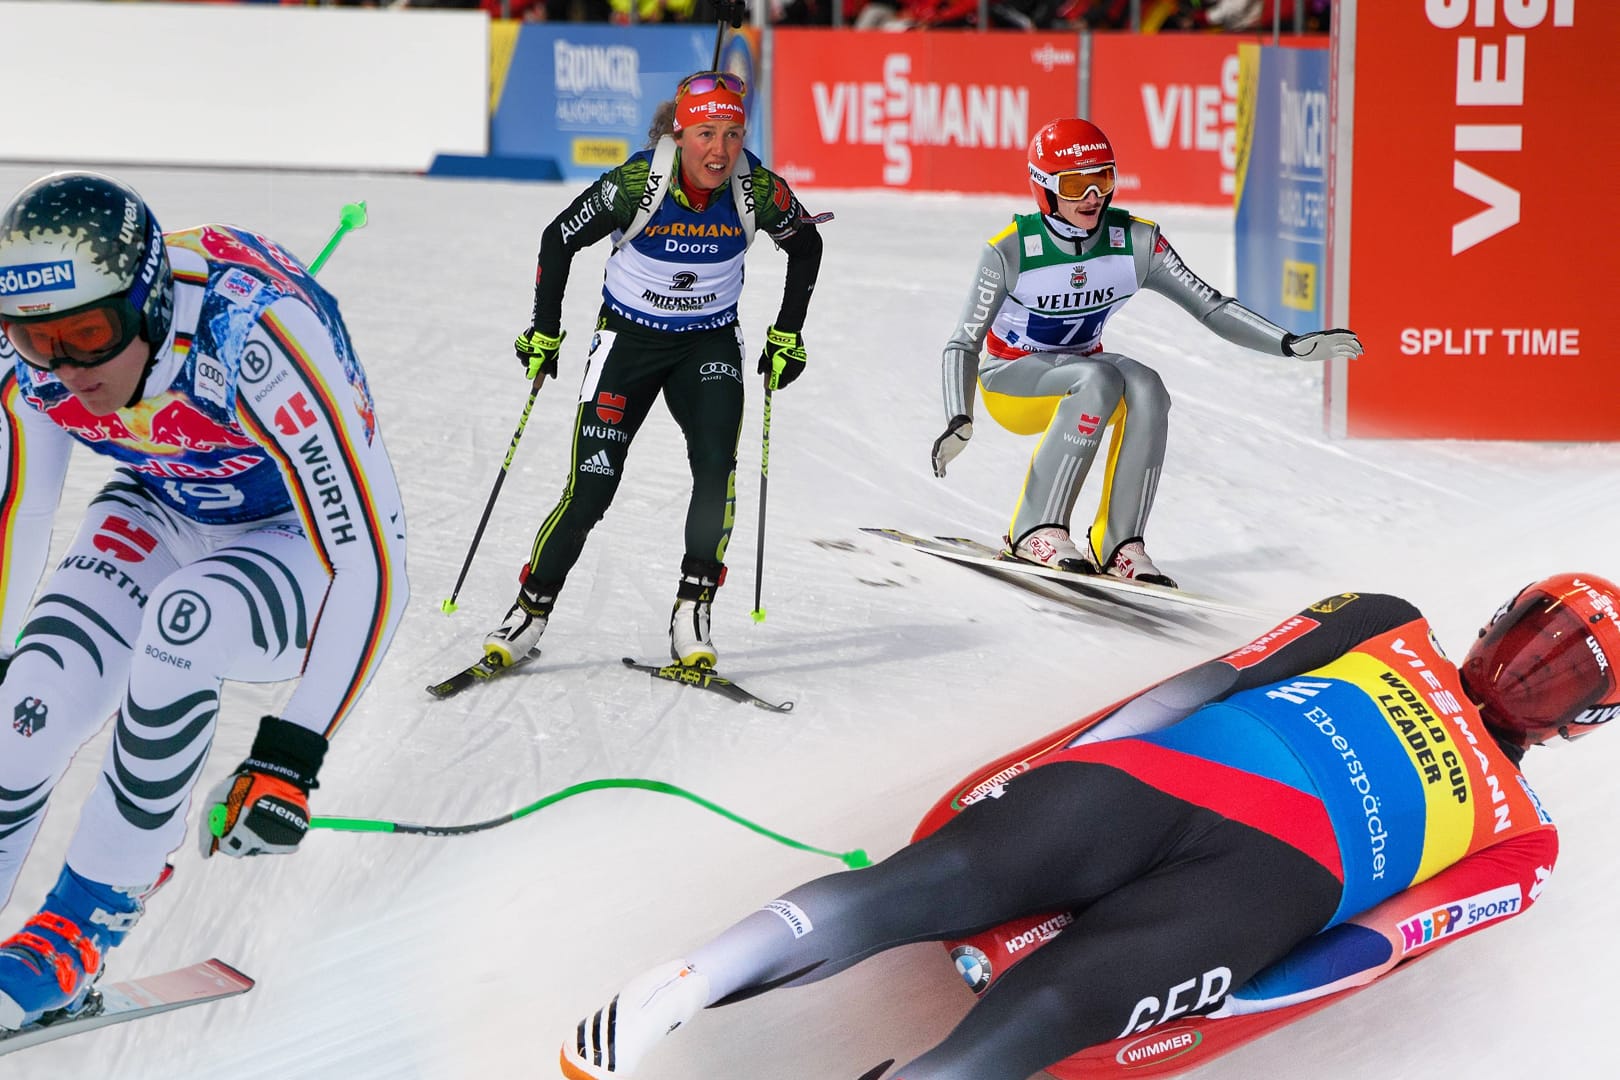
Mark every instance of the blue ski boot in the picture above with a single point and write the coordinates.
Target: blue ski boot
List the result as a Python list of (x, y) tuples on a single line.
[(49, 967)]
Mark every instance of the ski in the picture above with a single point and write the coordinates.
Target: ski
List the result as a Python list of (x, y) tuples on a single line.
[(483, 671), (975, 553), (702, 678), (211, 980)]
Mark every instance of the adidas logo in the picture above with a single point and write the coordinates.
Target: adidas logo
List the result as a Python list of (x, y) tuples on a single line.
[(598, 463)]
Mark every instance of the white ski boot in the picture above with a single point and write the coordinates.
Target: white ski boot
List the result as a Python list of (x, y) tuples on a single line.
[(689, 643), (1130, 561), (1051, 545), (612, 1041), (519, 634)]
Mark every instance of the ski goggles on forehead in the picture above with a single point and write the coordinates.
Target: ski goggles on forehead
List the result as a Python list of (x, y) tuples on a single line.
[(706, 82), (1076, 184), (88, 337)]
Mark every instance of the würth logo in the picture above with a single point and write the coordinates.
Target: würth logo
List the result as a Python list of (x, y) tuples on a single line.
[(610, 407)]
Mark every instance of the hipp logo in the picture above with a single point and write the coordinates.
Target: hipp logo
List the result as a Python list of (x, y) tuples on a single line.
[(1459, 916), (36, 277)]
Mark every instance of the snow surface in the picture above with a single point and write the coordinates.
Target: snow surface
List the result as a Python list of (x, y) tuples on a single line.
[(403, 957)]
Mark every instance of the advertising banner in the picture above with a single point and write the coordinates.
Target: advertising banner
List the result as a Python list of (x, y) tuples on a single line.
[(1471, 233), (942, 111), (1168, 103), (1282, 184), (584, 94)]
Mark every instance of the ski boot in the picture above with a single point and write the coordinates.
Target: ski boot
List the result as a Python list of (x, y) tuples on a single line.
[(49, 968), (1130, 561), (612, 1041), (1051, 545), (519, 634), (689, 643)]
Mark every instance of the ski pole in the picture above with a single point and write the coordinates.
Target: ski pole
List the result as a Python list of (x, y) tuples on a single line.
[(777, 364), (853, 859), (352, 216), (449, 605)]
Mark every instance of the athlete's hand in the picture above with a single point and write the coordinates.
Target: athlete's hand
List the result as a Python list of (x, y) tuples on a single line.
[(538, 351), (952, 442), (263, 807), (786, 346), (1323, 345)]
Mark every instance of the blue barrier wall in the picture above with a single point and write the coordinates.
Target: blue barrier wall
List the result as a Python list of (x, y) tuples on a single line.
[(1282, 194), (580, 97)]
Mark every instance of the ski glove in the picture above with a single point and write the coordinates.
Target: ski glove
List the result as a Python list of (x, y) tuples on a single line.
[(786, 346), (1322, 345), (263, 807), (538, 351), (953, 442)]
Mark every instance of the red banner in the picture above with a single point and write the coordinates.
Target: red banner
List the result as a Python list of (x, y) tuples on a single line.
[(1471, 229), (1169, 106), (941, 111)]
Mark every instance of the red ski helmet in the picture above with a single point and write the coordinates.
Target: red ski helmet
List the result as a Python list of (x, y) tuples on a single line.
[(1544, 664), (1067, 158)]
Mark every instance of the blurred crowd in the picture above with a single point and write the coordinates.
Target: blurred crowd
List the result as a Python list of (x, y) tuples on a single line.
[(1246, 16)]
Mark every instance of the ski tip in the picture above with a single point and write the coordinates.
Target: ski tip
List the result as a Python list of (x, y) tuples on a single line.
[(233, 973)]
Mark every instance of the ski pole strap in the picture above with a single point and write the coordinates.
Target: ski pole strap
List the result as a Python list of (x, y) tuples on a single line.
[(853, 859)]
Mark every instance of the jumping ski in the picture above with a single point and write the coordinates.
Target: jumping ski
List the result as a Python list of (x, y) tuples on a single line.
[(1102, 586), (702, 678), (211, 980), (483, 671)]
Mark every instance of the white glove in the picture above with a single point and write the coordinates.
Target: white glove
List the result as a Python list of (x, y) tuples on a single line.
[(952, 442), (1323, 345)]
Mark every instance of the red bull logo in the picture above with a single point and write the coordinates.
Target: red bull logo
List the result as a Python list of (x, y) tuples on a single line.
[(72, 417), (180, 423)]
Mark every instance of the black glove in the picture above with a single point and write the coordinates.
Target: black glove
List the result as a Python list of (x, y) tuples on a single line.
[(1322, 345), (786, 346), (263, 807), (952, 442), (538, 351)]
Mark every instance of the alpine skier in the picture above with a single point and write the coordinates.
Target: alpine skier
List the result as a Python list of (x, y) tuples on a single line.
[(682, 215), (1045, 287), (1263, 829), (251, 530)]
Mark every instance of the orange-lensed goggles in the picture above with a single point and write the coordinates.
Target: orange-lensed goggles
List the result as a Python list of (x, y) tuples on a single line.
[(1077, 183), (706, 82), (85, 338)]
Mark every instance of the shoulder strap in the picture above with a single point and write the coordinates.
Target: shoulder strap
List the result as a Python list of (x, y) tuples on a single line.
[(658, 177), (742, 193)]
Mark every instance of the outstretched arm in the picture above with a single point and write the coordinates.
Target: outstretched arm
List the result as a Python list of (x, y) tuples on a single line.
[(33, 463)]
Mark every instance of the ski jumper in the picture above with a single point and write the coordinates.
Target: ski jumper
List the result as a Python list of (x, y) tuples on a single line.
[(1289, 820), (1036, 311), (668, 324), (252, 530)]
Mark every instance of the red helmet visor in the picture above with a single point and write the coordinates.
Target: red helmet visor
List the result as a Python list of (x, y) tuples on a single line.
[(1540, 669)]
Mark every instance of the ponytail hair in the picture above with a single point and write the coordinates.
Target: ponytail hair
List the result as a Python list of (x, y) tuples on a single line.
[(663, 123)]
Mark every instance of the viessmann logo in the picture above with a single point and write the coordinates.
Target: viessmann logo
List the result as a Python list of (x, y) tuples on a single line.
[(1158, 1047)]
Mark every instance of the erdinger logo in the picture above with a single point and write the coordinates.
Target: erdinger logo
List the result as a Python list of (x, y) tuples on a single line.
[(29, 716), (683, 281)]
